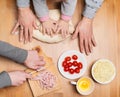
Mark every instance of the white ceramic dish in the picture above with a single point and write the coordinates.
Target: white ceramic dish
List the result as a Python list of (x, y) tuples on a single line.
[(81, 58), (88, 92), (112, 76)]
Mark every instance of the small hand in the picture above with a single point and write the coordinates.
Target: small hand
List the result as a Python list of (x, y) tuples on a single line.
[(48, 27), (26, 22), (63, 28), (18, 77), (33, 60), (86, 37)]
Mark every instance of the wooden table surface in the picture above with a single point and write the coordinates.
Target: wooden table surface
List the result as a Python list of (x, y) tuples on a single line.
[(107, 33)]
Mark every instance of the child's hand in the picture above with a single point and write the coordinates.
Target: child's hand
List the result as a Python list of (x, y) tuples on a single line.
[(18, 77), (49, 27), (63, 27), (33, 60)]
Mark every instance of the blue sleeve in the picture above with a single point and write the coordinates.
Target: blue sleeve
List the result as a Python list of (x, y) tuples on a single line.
[(91, 8), (14, 53), (23, 3), (68, 7), (41, 8), (4, 79)]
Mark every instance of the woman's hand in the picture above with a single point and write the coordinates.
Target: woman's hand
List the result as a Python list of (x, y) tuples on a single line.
[(33, 60), (86, 37), (18, 77), (26, 22)]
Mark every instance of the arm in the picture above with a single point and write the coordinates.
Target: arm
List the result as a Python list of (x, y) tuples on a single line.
[(17, 54), (31, 59), (91, 8), (4, 79), (26, 21), (67, 9), (41, 9), (12, 78), (23, 3), (9, 51), (84, 29), (42, 12)]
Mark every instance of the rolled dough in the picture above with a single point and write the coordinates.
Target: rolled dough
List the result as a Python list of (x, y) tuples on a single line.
[(55, 15)]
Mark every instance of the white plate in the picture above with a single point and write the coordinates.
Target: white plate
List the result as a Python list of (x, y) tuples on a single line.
[(81, 58), (96, 63)]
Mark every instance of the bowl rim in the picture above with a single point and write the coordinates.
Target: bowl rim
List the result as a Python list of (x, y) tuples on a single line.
[(92, 86), (93, 66)]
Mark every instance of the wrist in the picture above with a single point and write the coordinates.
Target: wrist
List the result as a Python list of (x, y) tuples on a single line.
[(87, 19), (64, 21), (44, 19), (23, 8), (27, 57), (65, 18)]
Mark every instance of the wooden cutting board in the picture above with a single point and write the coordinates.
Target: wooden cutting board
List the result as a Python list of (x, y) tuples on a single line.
[(50, 66)]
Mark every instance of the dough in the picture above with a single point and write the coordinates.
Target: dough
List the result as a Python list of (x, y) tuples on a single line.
[(55, 15)]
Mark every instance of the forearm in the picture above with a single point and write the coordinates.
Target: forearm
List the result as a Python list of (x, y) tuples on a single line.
[(67, 9), (14, 53), (4, 79), (23, 3), (41, 9), (91, 8)]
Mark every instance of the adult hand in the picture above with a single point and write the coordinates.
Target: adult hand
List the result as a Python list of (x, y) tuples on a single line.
[(18, 77), (63, 27), (33, 60), (48, 27), (86, 37), (26, 22)]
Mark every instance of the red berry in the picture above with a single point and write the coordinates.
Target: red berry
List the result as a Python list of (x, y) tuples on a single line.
[(80, 65), (64, 63), (75, 63), (71, 71), (66, 69), (77, 70), (74, 57), (69, 64), (67, 58)]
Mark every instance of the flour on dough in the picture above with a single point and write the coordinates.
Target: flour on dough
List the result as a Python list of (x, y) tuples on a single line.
[(55, 15)]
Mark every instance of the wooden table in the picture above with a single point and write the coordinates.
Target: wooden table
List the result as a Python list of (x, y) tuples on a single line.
[(107, 33)]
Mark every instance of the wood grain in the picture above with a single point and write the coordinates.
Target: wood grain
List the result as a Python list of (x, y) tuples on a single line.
[(50, 66), (37, 89), (107, 33)]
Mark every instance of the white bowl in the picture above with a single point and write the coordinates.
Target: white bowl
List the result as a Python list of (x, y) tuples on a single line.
[(88, 92), (103, 71), (81, 58)]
